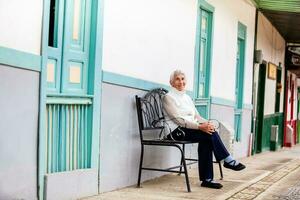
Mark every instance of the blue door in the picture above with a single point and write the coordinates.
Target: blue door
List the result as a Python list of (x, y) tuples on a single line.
[(70, 91), (239, 81), (203, 62), (68, 100)]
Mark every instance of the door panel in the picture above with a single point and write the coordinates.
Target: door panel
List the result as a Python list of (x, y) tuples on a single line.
[(53, 74), (239, 88), (203, 55), (76, 46), (202, 68)]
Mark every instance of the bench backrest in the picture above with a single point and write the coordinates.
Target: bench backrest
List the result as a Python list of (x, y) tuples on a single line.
[(150, 110)]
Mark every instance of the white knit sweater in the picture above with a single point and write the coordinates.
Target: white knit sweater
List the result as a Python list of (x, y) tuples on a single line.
[(180, 110)]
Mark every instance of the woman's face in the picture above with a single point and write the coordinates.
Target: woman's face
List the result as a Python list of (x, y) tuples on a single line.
[(179, 82)]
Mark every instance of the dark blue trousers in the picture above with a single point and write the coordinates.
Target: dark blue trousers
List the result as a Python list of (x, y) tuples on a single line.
[(207, 144)]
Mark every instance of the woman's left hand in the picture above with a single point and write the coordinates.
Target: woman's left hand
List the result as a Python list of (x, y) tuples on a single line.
[(211, 127), (207, 127)]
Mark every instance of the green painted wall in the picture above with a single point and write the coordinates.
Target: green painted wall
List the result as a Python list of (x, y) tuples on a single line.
[(268, 121)]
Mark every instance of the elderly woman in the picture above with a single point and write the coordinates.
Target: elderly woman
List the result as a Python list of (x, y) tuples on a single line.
[(183, 116)]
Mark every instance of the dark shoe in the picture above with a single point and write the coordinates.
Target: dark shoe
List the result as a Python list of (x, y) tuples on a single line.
[(210, 184), (233, 166)]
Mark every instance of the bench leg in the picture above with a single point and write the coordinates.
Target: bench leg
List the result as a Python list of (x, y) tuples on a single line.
[(221, 171), (185, 171), (140, 168), (181, 162)]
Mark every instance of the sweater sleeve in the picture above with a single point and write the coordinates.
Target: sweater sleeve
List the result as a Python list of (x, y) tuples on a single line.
[(172, 111)]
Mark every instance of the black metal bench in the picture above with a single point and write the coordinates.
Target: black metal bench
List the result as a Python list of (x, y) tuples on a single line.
[(151, 117)]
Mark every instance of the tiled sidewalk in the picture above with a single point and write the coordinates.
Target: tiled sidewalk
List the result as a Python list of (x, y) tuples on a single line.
[(262, 172), (252, 191)]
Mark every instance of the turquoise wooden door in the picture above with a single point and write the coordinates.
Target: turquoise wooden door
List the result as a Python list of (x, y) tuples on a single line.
[(239, 81), (202, 90), (69, 102), (203, 63)]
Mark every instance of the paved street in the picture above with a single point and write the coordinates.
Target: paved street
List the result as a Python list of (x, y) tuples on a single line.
[(268, 176)]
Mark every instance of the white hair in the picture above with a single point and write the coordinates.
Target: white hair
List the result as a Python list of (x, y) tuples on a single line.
[(174, 74)]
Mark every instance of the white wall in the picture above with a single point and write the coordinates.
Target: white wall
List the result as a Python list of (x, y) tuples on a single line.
[(270, 41), (272, 45), (289, 93), (295, 97), (21, 25), (226, 17), (148, 39)]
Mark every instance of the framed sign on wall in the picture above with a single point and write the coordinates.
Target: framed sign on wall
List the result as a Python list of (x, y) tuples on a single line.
[(272, 70)]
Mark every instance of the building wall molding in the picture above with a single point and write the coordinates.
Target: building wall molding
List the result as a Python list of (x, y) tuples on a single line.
[(222, 101), (20, 59), (131, 82), (136, 83)]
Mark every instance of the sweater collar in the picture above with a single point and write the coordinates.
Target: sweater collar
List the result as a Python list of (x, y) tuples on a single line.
[(180, 93)]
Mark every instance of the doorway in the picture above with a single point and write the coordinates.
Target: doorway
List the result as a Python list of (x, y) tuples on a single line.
[(239, 81), (70, 93), (260, 108)]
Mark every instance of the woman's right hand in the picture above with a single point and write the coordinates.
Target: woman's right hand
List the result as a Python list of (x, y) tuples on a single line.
[(207, 127)]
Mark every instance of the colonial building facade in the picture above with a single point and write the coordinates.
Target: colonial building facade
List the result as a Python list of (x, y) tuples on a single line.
[(69, 71)]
